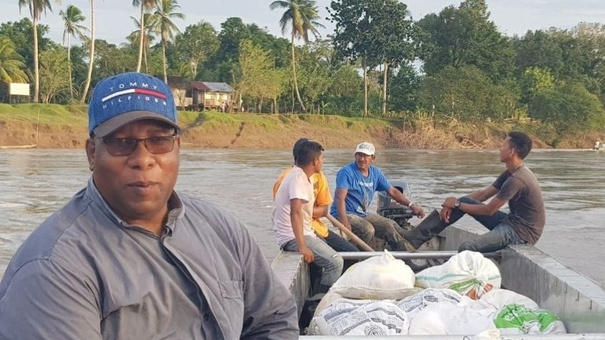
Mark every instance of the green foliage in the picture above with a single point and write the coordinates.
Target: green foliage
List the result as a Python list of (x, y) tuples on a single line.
[(161, 22), (465, 36), (404, 90), (377, 33), (54, 75), (466, 94), (538, 50), (300, 18), (11, 64), (533, 81), (345, 92), (569, 108), (257, 79), (20, 32), (195, 46)]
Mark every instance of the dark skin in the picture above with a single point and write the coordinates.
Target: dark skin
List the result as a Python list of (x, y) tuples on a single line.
[(363, 163), (508, 156), (137, 186)]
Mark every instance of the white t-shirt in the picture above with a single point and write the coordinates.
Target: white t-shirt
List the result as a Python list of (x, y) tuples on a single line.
[(296, 184)]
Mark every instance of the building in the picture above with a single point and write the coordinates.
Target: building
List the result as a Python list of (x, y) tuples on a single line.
[(210, 96), (179, 86)]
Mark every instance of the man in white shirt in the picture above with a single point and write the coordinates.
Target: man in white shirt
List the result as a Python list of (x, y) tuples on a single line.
[(293, 212)]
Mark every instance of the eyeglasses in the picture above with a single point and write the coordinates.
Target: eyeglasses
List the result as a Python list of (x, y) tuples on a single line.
[(126, 146)]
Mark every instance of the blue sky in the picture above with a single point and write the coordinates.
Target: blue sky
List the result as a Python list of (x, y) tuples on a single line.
[(511, 16)]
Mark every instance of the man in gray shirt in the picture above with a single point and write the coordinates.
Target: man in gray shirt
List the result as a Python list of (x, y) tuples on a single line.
[(516, 185), (130, 258)]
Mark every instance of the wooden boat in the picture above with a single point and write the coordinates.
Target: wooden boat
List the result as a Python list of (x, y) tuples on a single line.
[(578, 301)]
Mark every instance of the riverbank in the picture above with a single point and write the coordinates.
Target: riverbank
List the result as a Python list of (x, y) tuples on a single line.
[(60, 126)]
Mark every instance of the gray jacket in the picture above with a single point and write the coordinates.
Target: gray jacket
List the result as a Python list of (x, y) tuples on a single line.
[(85, 274)]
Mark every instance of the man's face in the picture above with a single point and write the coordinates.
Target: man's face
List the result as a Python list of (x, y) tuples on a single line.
[(319, 163), (136, 186), (506, 151), (363, 161)]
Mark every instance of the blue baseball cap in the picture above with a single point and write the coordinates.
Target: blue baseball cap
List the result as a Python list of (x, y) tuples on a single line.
[(128, 97)]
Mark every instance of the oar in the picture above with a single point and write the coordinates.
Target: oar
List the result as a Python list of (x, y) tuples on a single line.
[(349, 233)]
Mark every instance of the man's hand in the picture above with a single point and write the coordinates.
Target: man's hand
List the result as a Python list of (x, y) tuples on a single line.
[(445, 214), (417, 210), (449, 202), (307, 254)]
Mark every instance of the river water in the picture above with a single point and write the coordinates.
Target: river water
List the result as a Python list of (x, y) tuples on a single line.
[(34, 183)]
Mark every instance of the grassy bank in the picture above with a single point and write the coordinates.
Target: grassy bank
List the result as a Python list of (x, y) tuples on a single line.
[(65, 126)]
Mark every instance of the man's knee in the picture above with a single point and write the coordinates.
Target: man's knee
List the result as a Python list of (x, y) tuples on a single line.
[(337, 261), (361, 226), (468, 245)]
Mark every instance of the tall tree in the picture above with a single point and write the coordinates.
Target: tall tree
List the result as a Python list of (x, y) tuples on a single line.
[(135, 38), (53, 72), (379, 32), (161, 21), (72, 17), (145, 5), (465, 36), (36, 9), (91, 59), (20, 33), (569, 108), (196, 45), (11, 63), (301, 16)]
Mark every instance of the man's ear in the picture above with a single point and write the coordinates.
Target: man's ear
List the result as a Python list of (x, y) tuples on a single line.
[(90, 153)]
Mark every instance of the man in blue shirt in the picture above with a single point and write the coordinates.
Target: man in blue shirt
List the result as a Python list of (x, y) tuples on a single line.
[(356, 184)]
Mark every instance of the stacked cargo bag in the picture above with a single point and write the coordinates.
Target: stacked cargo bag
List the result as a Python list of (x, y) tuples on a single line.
[(467, 272), (361, 302), (360, 317), (518, 314), (499, 298), (518, 319), (375, 278), (445, 312)]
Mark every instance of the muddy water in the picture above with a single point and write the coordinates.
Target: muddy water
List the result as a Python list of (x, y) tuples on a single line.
[(34, 183)]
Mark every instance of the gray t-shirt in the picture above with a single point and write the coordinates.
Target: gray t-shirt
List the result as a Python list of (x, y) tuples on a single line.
[(522, 191), (85, 274)]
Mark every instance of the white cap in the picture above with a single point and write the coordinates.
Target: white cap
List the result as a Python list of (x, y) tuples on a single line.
[(365, 148)]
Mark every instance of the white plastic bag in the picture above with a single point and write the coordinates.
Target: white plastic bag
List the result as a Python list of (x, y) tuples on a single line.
[(378, 277), (467, 272), (360, 317)]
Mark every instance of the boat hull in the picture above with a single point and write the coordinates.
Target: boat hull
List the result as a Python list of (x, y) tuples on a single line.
[(578, 301)]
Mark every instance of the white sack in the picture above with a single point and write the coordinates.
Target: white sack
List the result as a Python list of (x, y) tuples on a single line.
[(360, 317), (500, 298), (452, 319), (378, 277), (467, 272)]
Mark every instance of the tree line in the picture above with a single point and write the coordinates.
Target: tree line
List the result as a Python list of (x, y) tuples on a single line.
[(454, 64)]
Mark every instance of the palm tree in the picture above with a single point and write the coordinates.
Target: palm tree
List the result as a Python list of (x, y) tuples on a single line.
[(11, 63), (145, 5), (36, 8), (91, 59), (301, 16), (135, 38), (72, 16), (161, 21)]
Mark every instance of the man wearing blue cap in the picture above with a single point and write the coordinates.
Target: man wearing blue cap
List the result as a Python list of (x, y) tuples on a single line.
[(130, 258)]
